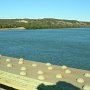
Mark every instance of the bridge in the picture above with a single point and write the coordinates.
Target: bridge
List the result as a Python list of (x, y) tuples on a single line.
[(28, 75)]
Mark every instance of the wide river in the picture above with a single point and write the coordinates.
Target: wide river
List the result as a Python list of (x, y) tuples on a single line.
[(69, 47)]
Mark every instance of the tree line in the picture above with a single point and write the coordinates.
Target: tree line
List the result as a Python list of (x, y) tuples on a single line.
[(42, 23)]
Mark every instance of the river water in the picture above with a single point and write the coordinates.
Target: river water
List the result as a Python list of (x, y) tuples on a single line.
[(67, 46)]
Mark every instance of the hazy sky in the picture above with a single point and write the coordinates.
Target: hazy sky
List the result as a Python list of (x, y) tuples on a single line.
[(63, 9)]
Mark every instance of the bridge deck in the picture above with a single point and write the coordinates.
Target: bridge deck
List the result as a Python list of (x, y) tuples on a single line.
[(27, 75)]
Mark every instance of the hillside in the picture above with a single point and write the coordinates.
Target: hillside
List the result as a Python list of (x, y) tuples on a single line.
[(42, 23)]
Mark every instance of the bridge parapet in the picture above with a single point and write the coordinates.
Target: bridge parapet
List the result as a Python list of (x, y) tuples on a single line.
[(28, 75)]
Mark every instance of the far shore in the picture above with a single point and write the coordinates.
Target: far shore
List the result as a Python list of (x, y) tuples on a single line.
[(19, 28), (22, 28)]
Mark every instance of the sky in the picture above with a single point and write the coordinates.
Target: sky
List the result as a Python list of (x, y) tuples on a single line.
[(37, 9)]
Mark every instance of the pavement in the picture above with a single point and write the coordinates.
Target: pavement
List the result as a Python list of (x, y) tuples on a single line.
[(37, 73)]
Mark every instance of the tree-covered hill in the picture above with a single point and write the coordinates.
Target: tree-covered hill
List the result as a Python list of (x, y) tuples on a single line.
[(42, 23)]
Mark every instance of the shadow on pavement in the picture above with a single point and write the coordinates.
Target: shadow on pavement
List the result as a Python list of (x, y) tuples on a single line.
[(6, 87), (59, 86)]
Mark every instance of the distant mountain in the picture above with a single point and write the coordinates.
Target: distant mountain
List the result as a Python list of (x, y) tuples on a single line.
[(42, 23)]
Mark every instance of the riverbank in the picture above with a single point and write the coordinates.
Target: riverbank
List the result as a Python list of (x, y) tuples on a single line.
[(19, 28), (42, 23)]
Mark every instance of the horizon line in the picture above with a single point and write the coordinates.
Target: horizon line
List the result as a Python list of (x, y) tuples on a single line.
[(47, 18)]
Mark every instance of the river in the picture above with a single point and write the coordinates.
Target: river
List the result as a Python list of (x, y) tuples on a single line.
[(69, 46)]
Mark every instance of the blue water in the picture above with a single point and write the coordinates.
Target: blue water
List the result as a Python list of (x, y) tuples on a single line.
[(69, 47)]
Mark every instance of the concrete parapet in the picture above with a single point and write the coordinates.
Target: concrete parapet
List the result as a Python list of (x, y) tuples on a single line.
[(30, 74)]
